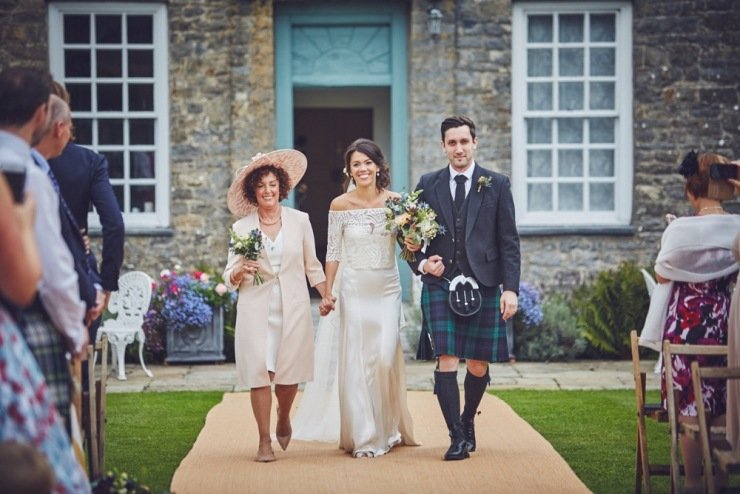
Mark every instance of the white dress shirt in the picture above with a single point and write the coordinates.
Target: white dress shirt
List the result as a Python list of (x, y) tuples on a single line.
[(58, 287), (468, 183)]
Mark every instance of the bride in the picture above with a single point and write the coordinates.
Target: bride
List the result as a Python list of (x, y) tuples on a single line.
[(359, 390)]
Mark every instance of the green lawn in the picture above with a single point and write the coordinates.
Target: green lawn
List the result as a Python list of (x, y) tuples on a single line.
[(148, 434), (594, 431)]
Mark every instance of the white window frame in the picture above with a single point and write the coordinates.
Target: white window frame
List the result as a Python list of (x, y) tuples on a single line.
[(623, 152), (160, 218)]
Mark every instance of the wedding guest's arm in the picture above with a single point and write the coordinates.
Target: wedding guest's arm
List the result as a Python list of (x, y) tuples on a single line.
[(111, 221), (20, 262)]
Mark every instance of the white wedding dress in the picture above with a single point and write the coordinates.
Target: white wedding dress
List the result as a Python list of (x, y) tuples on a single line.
[(358, 395)]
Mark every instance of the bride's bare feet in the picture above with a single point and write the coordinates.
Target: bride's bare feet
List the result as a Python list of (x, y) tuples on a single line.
[(265, 453)]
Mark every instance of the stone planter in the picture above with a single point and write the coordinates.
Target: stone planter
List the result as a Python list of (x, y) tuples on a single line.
[(194, 344)]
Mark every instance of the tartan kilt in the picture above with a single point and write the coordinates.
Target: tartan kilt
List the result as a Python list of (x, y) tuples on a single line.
[(47, 346), (481, 336)]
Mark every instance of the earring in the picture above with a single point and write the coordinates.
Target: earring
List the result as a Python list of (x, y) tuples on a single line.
[(377, 174)]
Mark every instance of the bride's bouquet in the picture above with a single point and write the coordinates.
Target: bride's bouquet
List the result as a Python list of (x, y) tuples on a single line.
[(250, 247), (408, 217)]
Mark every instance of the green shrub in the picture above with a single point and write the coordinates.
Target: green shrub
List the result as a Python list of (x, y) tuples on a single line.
[(556, 338), (609, 307)]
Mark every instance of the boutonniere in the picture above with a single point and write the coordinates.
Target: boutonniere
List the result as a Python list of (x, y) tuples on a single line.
[(483, 182)]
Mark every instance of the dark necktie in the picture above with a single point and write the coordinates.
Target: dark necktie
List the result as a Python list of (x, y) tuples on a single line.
[(63, 204), (460, 192)]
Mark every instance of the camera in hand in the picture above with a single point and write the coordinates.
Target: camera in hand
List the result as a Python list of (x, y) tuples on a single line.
[(723, 171), (14, 170)]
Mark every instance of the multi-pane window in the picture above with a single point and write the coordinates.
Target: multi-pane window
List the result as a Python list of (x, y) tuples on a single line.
[(572, 113), (112, 58)]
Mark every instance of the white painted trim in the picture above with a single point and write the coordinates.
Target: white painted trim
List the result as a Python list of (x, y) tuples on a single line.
[(623, 146), (160, 45)]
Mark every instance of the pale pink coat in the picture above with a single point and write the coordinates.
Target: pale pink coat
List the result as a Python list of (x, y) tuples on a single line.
[(295, 357)]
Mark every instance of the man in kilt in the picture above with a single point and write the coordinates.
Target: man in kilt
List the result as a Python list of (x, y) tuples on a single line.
[(476, 209)]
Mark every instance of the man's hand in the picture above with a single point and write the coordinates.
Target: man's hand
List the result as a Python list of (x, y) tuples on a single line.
[(434, 266), (508, 304), (85, 240), (94, 312)]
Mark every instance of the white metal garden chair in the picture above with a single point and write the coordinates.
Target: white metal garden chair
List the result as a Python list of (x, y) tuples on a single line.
[(130, 303)]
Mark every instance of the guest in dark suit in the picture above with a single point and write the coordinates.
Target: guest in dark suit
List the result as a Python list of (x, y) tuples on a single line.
[(476, 208), (83, 179), (50, 146)]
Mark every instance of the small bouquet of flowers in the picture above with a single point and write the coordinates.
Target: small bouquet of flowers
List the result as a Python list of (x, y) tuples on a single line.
[(250, 247), (408, 217)]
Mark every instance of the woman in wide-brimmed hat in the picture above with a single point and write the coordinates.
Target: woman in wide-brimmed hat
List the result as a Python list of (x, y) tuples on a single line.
[(274, 328)]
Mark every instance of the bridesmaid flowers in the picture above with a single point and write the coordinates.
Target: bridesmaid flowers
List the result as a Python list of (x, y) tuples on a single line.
[(408, 217), (250, 247)]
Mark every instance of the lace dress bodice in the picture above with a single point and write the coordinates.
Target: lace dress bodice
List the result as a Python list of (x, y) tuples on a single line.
[(359, 239)]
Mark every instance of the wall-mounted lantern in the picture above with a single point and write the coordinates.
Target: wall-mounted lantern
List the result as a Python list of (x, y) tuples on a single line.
[(434, 22)]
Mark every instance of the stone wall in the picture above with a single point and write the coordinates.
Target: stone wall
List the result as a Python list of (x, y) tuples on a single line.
[(23, 33), (222, 112), (685, 95), (221, 87)]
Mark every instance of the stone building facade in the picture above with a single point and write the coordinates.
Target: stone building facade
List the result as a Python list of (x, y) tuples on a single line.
[(224, 105)]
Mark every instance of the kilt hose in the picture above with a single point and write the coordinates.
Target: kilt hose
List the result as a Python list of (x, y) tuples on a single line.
[(481, 336), (47, 346)]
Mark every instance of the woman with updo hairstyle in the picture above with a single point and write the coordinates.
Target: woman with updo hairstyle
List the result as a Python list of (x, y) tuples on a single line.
[(361, 400), (695, 270), (373, 152)]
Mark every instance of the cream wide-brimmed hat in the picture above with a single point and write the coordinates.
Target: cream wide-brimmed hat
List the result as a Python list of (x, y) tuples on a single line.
[(293, 162)]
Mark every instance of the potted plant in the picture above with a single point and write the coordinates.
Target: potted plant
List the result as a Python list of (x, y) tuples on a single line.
[(186, 316)]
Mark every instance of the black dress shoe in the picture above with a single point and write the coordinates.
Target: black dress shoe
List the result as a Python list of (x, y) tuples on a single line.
[(458, 445), (468, 427)]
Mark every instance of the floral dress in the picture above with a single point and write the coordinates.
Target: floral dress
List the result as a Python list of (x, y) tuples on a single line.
[(27, 415), (697, 315)]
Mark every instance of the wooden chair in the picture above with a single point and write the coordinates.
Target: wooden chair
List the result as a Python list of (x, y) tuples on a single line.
[(670, 349), (716, 451), (94, 405), (643, 468)]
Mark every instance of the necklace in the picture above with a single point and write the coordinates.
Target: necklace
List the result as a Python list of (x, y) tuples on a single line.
[(716, 209), (270, 223)]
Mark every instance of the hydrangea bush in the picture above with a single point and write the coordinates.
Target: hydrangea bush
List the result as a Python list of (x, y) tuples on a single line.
[(530, 310), (546, 330), (180, 300)]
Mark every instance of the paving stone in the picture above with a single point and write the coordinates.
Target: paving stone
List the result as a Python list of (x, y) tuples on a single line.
[(419, 376)]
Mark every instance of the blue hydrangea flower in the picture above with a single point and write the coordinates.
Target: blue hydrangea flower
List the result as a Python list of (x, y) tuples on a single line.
[(530, 309)]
